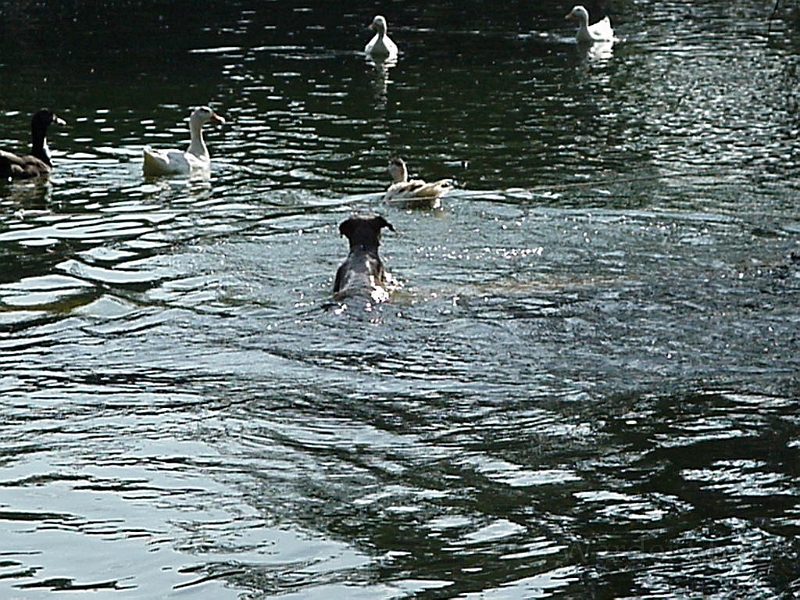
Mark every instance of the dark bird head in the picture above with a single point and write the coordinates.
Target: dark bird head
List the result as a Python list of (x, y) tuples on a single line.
[(44, 118)]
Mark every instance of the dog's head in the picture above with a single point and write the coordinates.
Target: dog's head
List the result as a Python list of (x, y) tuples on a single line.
[(364, 231)]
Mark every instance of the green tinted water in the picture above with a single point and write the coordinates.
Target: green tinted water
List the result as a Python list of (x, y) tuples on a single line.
[(586, 388)]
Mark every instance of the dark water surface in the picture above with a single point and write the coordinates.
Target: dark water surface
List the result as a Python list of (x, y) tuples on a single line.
[(588, 386)]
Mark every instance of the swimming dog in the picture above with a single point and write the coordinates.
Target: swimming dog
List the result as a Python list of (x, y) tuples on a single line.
[(362, 274)]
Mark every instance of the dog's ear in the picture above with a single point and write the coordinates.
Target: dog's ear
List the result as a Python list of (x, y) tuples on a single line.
[(346, 228), (381, 222)]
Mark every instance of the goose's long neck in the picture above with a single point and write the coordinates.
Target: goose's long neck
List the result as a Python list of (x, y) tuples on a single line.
[(399, 173), (197, 145), (583, 23), (39, 147)]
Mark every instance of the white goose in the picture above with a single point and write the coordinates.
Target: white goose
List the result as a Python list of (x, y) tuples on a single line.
[(170, 162), (598, 32), (381, 46), (414, 193)]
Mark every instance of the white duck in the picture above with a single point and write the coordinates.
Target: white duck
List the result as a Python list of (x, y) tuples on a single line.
[(597, 32), (381, 46), (414, 193), (170, 162)]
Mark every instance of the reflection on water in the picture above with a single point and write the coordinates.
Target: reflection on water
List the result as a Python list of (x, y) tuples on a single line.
[(380, 82), (586, 387), (599, 52)]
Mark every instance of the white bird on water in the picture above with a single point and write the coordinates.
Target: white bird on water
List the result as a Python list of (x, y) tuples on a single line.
[(597, 32), (381, 46), (414, 192), (173, 161)]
